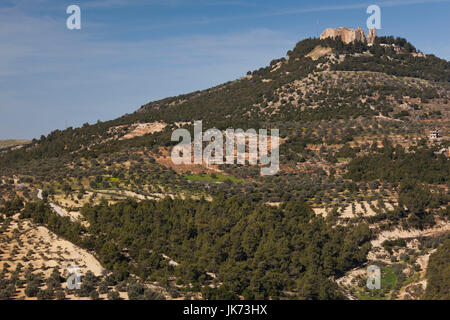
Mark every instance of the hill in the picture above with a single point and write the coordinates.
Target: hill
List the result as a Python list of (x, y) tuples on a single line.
[(361, 181)]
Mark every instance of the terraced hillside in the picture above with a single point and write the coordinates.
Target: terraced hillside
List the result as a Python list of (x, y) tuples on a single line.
[(361, 182)]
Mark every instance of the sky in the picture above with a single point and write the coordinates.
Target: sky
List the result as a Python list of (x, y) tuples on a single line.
[(130, 52)]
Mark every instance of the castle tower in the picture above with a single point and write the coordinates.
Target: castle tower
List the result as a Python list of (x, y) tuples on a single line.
[(371, 36), (348, 35)]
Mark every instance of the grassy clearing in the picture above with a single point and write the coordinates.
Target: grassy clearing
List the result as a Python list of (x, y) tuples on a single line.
[(388, 283), (388, 278)]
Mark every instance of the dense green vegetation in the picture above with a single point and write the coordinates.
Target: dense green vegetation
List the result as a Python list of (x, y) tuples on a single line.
[(395, 165), (400, 63), (258, 251), (411, 171), (438, 274)]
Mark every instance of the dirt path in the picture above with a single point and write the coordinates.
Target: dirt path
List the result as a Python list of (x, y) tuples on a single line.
[(60, 211), (441, 227)]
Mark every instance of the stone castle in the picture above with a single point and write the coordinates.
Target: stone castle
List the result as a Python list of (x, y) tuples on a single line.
[(348, 35)]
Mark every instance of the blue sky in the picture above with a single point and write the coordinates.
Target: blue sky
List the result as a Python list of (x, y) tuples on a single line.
[(130, 52)]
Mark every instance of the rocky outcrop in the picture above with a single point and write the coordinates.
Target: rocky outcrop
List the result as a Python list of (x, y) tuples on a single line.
[(348, 35), (371, 36)]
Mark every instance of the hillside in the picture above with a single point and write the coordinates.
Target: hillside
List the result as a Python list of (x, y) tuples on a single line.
[(12, 143), (361, 182)]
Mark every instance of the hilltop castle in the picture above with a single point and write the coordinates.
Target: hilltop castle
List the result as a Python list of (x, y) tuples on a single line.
[(348, 35)]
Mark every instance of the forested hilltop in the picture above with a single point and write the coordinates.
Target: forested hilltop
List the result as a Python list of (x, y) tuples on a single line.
[(363, 180)]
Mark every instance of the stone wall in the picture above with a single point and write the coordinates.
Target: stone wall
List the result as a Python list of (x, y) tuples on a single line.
[(348, 35)]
